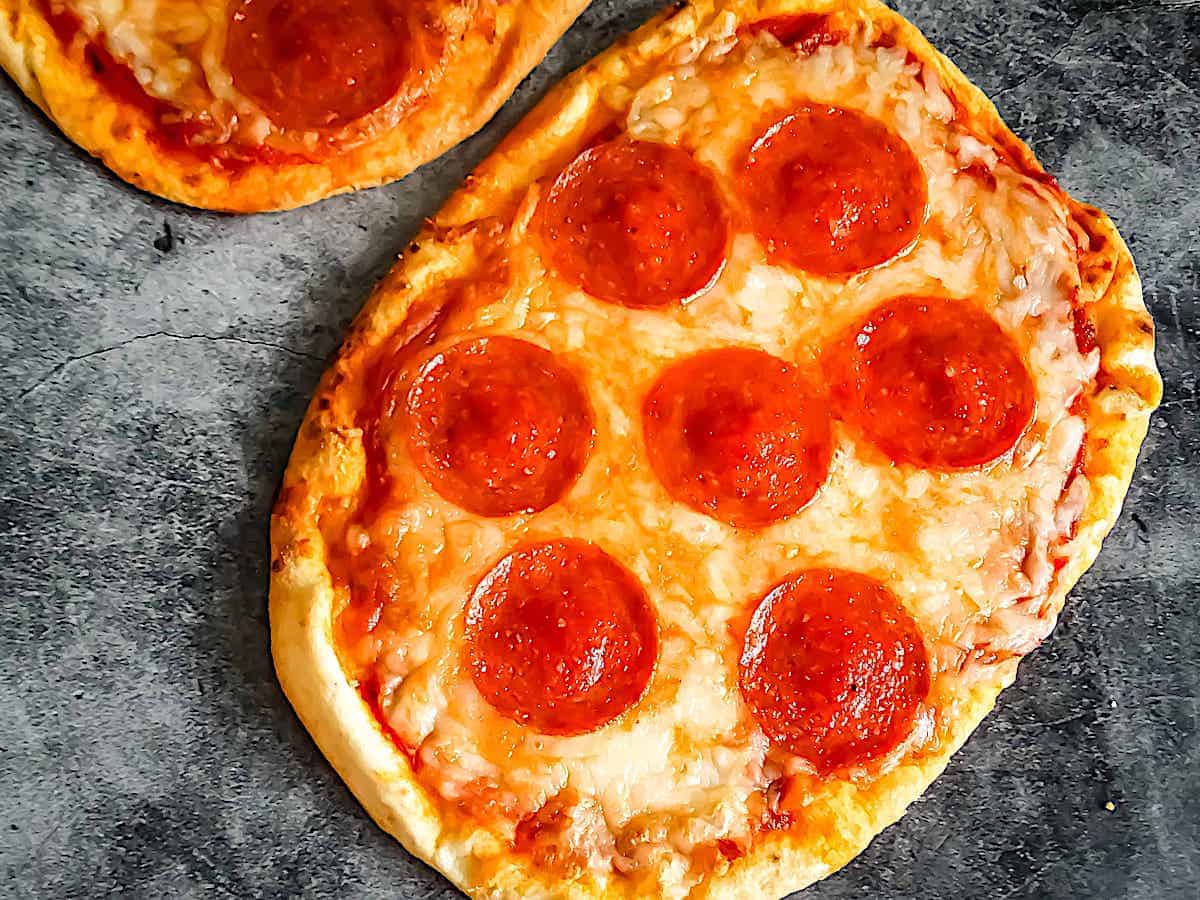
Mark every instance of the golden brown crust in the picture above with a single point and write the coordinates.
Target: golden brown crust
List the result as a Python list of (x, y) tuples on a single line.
[(833, 830), (116, 132)]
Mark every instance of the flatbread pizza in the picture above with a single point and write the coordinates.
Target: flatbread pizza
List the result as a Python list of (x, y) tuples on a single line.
[(693, 485), (250, 105)]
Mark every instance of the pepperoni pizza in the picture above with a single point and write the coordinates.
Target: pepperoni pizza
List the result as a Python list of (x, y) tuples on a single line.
[(249, 105), (695, 483)]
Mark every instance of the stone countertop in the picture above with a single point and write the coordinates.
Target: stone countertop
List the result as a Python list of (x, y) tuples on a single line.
[(155, 362)]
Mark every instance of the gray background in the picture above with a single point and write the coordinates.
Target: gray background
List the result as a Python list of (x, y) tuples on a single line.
[(149, 392)]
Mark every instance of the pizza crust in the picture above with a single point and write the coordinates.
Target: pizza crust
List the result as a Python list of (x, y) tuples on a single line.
[(455, 247), (488, 71)]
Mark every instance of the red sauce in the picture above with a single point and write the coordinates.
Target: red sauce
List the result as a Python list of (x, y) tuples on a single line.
[(981, 172), (1076, 471), (776, 820), (773, 816), (887, 41), (609, 132), (369, 690), (1085, 329), (538, 832), (729, 849)]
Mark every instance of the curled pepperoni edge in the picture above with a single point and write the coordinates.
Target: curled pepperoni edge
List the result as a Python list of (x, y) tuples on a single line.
[(803, 32)]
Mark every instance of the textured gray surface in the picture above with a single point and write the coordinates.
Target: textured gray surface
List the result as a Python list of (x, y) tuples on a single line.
[(149, 391)]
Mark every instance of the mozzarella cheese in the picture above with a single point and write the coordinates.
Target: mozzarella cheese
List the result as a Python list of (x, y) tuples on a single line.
[(970, 554), (173, 47)]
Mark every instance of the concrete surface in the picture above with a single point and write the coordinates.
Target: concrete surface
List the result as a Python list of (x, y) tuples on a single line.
[(155, 362)]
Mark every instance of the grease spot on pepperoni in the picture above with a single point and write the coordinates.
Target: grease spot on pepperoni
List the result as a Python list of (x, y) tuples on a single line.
[(560, 637), (933, 382), (312, 64), (832, 191), (833, 668), (738, 434), (498, 425), (635, 223), (803, 31)]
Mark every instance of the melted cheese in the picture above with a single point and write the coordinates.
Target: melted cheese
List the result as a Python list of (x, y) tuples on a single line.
[(173, 47), (969, 553)]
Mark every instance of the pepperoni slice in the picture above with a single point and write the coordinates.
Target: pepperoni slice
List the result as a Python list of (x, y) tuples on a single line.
[(498, 426), (833, 668), (934, 382), (312, 64), (803, 31), (560, 637), (832, 191), (635, 223), (738, 434)]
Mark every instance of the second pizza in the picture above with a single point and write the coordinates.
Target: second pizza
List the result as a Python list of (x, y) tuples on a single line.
[(250, 105)]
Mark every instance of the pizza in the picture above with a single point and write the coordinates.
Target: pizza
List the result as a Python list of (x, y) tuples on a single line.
[(249, 105), (695, 482)]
